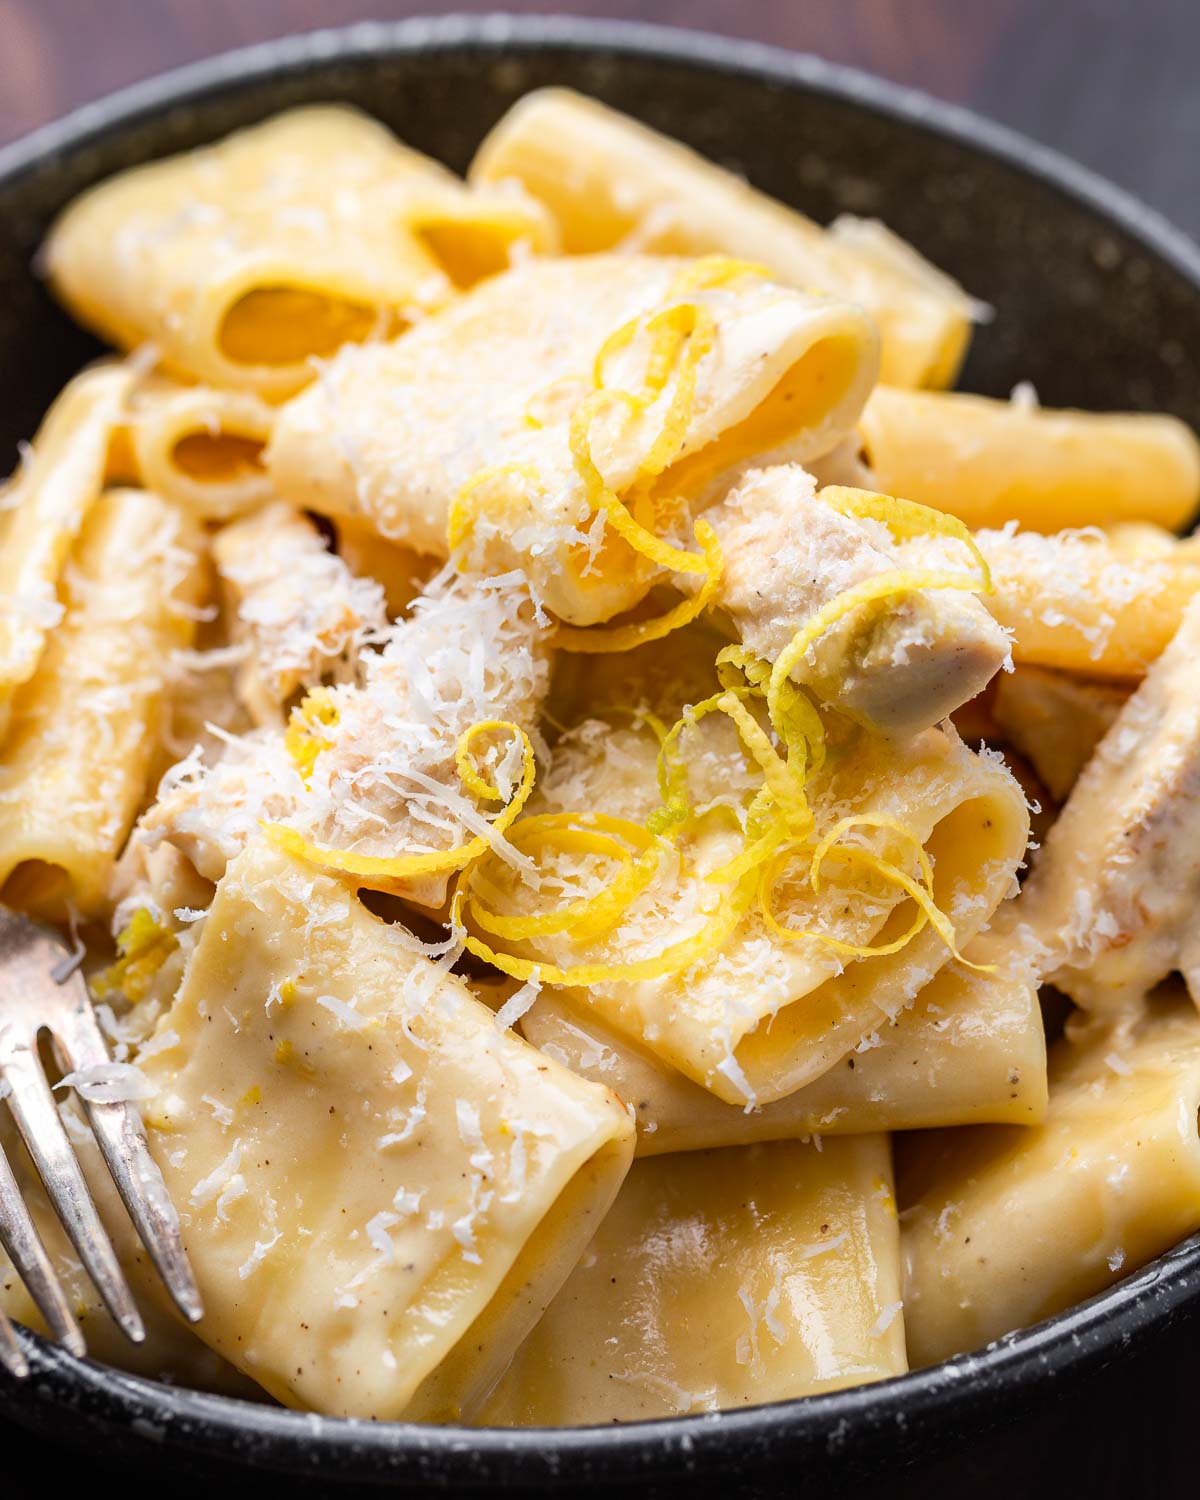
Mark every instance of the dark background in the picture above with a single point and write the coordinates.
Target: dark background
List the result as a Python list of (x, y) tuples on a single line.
[(1112, 83)]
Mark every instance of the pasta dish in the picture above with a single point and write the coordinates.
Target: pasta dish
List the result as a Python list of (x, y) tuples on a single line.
[(634, 848)]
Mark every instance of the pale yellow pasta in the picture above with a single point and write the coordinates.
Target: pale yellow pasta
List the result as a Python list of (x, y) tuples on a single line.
[(482, 396), (1113, 896), (402, 572), (1076, 602), (243, 260), (199, 446), (1055, 720), (970, 1050), (411, 931), (721, 1279), (1003, 1227), (611, 183), (380, 1191), (763, 1015), (84, 729), (990, 461), (41, 511)]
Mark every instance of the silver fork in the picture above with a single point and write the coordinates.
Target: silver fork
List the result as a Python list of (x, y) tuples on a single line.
[(33, 1000)]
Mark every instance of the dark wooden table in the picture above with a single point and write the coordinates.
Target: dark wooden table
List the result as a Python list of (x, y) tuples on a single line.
[(1112, 83)]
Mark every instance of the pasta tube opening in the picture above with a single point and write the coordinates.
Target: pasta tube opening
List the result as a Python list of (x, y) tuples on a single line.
[(468, 245), (286, 325), (809, 391), (802, 1040), (200, 446), (217, 457)]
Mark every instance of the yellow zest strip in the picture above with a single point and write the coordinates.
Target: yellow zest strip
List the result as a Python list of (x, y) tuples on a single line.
[(784, 781), (467, 772), (695, 326), (672, 772), (619, 339), (371, 869), (463, 514), (922, 894), (600, 497), (711, 271), (868, 820), (852, 950), (679, 956), (301, 738), (589, 916), (906, 519), (704, 274), (870, 591), (801, 726), (753, 855), (602, 641)]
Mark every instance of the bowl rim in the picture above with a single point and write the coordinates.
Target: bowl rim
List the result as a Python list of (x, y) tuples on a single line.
[(1007, 1375)]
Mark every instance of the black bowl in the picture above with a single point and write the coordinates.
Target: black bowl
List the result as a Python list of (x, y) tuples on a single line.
[(1097, 302)]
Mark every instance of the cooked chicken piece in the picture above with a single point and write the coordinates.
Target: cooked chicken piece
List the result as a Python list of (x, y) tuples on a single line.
[(901, 664), (209, 811), (296, 606), (1114, 895), (1055, 721)]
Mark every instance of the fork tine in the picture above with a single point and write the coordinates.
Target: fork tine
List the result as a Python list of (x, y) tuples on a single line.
[(11, 1356), (37, 1116), (28, 1255), (118, 1129)]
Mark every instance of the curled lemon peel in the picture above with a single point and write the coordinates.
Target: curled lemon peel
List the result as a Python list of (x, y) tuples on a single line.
[(928, 911), (302, 738), (593, 834), (784, 781), (716, 931), (467, 771), (605, 640), (891, 873), (907, 519), (371, 868), (672, 770), (466, 509), (600, 497)]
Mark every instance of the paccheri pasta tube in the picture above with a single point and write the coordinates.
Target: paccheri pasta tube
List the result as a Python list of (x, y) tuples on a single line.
[(761, 1001), (766, 1272), (1003, 1227), (85, 728), (994, 461), (240, 265), (386, 1192), (579, 435), (612, 183), (970, 1049)]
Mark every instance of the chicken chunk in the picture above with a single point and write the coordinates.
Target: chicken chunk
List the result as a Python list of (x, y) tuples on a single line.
[(903, 666), (297, 608)]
